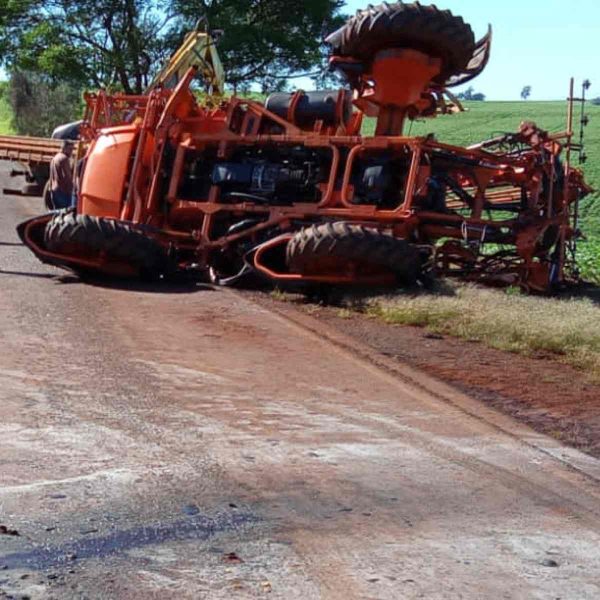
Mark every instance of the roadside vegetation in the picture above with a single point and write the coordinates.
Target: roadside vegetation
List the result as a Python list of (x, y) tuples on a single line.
[(6, 115), (38, 107), (566, 329)]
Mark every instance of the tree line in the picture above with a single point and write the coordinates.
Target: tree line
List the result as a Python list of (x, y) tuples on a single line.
[(60, 47)]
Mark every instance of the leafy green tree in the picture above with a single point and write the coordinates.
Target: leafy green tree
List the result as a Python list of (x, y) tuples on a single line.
[(97, 43), (471, 94), (267, 41), (122, 43), (38, 106)]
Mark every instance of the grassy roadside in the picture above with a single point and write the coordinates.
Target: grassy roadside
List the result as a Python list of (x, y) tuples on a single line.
[(564, 329)]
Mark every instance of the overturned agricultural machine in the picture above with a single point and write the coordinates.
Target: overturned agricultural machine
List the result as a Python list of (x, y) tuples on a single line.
[(291, 191)]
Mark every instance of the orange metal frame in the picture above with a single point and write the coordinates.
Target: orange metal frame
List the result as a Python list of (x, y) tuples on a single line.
[(172, 126)]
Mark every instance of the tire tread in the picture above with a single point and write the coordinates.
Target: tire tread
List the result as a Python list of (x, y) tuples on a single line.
[(354, 243), (400, 25), (115, 238)]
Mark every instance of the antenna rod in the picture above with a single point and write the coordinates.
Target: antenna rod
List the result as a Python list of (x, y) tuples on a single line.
[(569, 133), (567, 169), (584, 120)]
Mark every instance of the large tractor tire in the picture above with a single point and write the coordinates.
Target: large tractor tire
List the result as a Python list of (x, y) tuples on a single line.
[(424, 28), (342, 243), (125, 250)]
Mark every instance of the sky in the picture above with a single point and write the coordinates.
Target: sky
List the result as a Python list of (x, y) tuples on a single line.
[(541, 43)]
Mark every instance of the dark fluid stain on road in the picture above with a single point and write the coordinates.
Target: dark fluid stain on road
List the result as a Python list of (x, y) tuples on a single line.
[(191, 510), (198, 527)]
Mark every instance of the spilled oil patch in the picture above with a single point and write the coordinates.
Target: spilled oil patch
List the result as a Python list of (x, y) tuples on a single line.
[(198, 527)]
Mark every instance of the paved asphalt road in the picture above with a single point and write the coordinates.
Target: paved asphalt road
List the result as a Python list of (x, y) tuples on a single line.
[(189, 443)]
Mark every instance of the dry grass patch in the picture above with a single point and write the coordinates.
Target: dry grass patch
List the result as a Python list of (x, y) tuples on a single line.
[(568, 329)]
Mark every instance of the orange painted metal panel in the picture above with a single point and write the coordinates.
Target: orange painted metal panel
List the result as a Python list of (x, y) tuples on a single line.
[(105, 174)]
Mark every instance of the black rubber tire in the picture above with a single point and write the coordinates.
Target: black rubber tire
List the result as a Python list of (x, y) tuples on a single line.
[(425, 28), (116, 239), (354, 243)]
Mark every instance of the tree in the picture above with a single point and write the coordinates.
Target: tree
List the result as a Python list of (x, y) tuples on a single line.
[(38, 106), (526, 92), (97, 43), (267, 41), (467, 94), (596, 101), (470, 95), (122, 43)]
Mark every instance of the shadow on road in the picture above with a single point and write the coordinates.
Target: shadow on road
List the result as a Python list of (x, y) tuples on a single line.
[(149, 287), (11, 244), (25, 274)]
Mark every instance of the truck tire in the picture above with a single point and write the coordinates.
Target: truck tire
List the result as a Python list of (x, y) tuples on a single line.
[(352, 243), (85, 235), (424, 28)]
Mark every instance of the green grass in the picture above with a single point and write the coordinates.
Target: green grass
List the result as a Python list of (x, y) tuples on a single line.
[(567, 329)]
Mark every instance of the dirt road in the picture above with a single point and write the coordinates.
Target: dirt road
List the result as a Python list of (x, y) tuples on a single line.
[(188, 443)]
